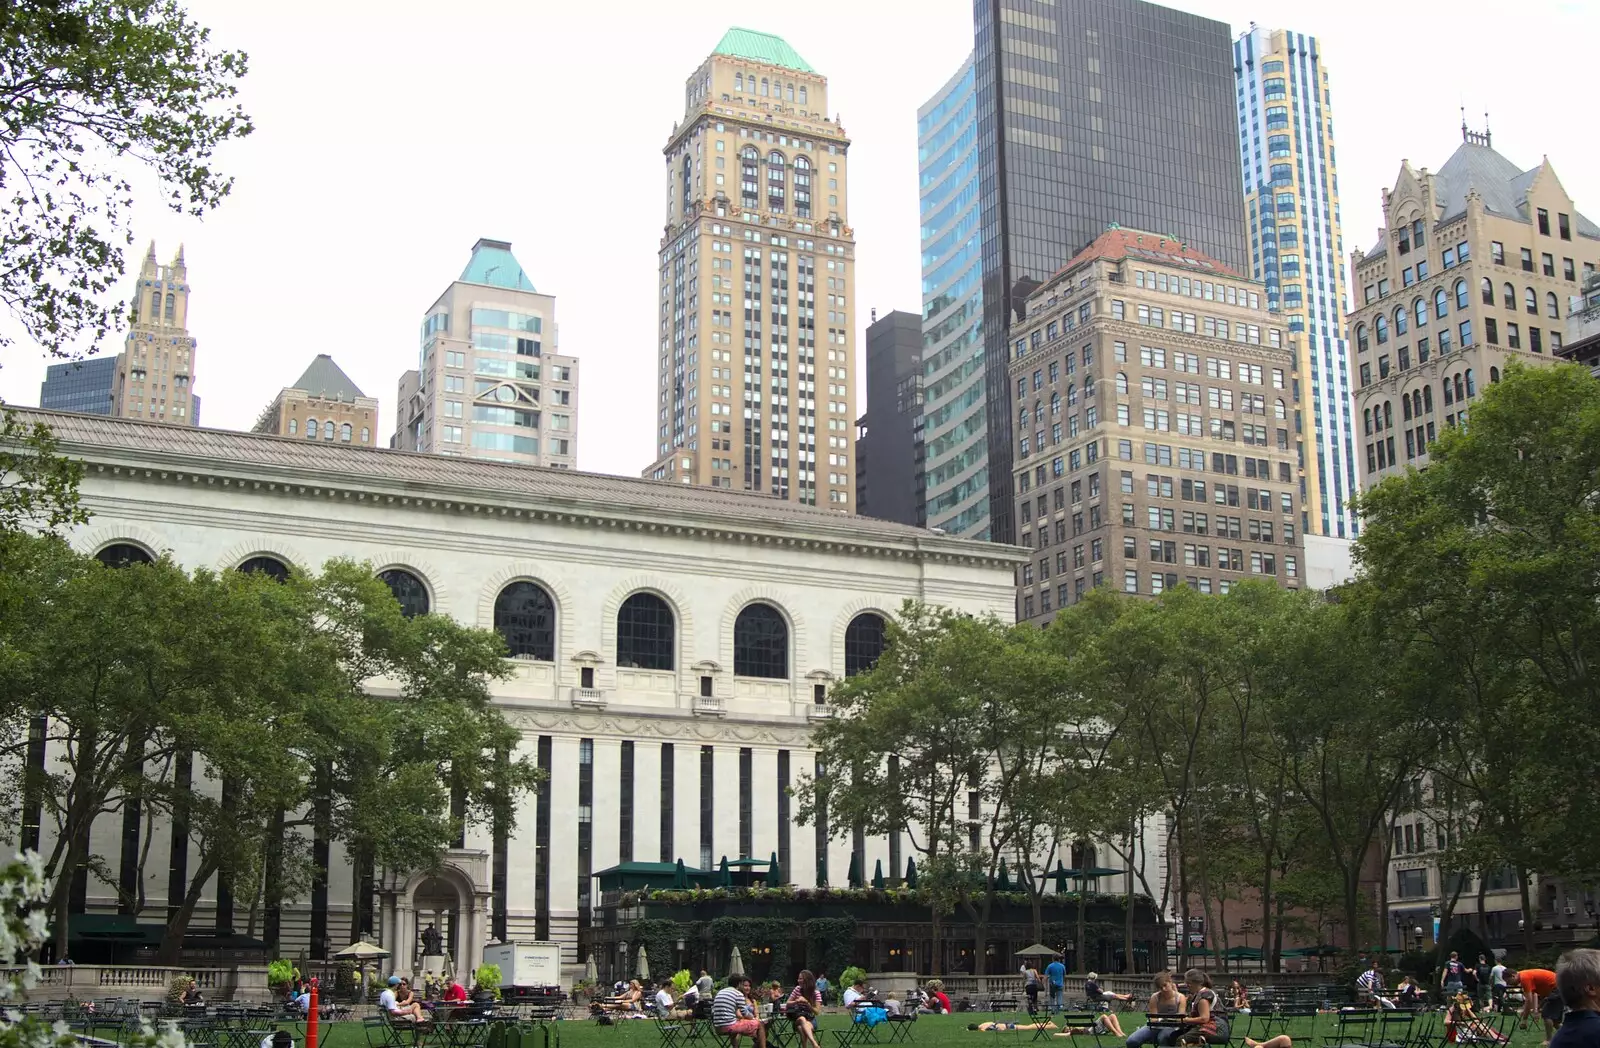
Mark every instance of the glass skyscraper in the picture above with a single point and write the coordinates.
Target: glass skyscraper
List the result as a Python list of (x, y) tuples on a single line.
[(955, 434), (1291, 191), (1091, 113), (81, 385)]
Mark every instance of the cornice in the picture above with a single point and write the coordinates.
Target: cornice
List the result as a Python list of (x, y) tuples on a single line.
[(666, 728), (176, 470)]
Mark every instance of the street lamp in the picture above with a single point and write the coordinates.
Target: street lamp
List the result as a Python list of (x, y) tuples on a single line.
[(1417, 934)]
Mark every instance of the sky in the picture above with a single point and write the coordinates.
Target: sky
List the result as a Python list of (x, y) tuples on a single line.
[(391, 136)]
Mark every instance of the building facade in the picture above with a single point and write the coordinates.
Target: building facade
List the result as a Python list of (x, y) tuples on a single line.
[(84, 386), (1472, 268), (889, 446), (1291, 190), (1582, 343), (491, 381), (756, 343), (155, 370), (670, 697), (956, 437), (1078, 129), (1190, 479), (322, 404)]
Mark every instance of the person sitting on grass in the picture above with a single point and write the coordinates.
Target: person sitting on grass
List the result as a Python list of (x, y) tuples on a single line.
[(1578, 980), (937, 1002), (733, 1016), (1281, 1041)]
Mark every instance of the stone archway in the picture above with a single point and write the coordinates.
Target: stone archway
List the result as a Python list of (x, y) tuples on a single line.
[(451, 899), (439, 903)]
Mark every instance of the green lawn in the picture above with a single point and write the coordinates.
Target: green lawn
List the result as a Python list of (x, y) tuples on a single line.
[(930, 1032)]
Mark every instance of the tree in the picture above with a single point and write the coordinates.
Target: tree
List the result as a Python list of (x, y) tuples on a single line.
[(86, 86), (38, 487)]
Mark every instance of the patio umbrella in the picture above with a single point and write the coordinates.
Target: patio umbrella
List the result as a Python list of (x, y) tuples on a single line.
[(1038, 949), (854, 878), (877, 876), (680, 875), (1062, 875), (643, 966), (774, 875), (591, 974), (724, 878), (911, 872), (361, 952), (1244, 953), (1002, 883), (735, 964)]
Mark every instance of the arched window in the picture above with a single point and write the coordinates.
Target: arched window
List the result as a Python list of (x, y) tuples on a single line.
[(1530, 300), (1038, 411), (1380, 324), (123, 554), (1494, 375), (738, 81), (1508, 296), (1361, 337), (1460, 391), (1122, 380), (646, 633), (1472, 387), (171, 311), (761, 643), (1448, 398), (863, 643), (1416, 402), (750, 176), (366, 435), (1461, 294), (408, 590), (1055, 405), (788, 92), (1366, 421), (1400, 321), (271, 567), (1388, 415), (1427, 398), (802, 94), (327, 430), (344, 432), (294, 427), (1279, 409), (1405, 409), (776, 169), (1072, 394), (1441, 303), (763, 86), (311, 429), (802, 187), (525, 616), (1022, 416), (1551, 308), (1486, 289), (1419, 310), (155, 306)]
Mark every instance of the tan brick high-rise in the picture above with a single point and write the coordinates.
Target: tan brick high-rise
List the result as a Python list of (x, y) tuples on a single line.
[(1473, 267), (755, 337), (1155, 411), (155, 371)]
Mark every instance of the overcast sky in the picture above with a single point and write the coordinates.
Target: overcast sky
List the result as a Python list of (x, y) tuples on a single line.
[(390, 136)]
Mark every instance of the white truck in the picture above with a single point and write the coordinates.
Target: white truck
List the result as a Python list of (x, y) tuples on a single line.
[(527, 969)]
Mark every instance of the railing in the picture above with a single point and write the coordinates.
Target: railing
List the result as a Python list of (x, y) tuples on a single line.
[(588, 697), (708, 706), (147, 982), (815, 712)]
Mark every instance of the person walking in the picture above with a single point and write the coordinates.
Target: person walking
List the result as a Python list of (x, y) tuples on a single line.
[(1055, 974), (1452, 976)]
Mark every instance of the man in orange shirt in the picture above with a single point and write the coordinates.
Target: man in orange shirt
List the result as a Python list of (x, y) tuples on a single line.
[(1538, 985)]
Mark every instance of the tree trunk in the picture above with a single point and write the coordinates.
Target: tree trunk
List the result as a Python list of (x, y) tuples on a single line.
[(178, 926), (1127, 912), (1277, 940), (1483, 924), (272, 884), (1527, 911)]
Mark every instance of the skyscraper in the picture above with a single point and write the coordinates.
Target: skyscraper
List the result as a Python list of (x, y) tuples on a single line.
[(80, 385), (757, 269), (485, 387), (1093, 113), (955, 435), (322, 404), (1291, 190), (888, 465), (155, 371)]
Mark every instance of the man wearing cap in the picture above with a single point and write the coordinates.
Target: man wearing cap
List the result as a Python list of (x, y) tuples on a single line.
[(409, 1012)]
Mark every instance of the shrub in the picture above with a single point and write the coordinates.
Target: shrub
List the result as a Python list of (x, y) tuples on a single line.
[(177, 988), (680, 981), (281, 972), (487, 977), (850, 976)]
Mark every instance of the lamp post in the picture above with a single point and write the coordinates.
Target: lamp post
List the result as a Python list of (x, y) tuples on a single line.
[(1416, 933)]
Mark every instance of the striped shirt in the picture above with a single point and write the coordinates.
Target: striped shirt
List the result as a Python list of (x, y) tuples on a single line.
[(726, 1006), (816, 996), (1370, 981)]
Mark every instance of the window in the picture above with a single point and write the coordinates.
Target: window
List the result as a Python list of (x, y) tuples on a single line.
[(646, 633), (1544, 222), (1441, 303), (1497, 252), (1400, 321), (271, 567), (1362, 343), (1419, 310), (761, 643), (1508, 296), (1527, 260), (1564, 226), (1530, 300), (1486, 291), (1461, 294), (1547, 264), (327, 430), (408, 590), (122, 555), (345, 432), (1552, 309), (311, 429), (525, 616), (863, 643), (1380, 324)]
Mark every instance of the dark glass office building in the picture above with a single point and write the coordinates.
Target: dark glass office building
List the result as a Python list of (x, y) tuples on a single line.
[(83, 386), (1093, 112)]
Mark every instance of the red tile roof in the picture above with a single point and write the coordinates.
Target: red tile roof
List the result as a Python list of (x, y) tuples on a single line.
[(1119, 243)]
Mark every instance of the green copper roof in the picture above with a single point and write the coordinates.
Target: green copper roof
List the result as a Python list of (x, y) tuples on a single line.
[(493, 263), (761, 47)]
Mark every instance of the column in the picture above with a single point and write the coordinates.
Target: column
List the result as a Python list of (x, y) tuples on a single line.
[(725, 806), (608, 803), (563, 786), (405, 935), (764, 804), (520, 893), (466, 934), (647, 801)]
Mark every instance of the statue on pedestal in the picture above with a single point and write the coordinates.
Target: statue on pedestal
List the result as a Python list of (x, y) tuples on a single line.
[(432, 942)]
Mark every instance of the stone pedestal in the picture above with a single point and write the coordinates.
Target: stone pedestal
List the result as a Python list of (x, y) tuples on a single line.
[(433, 964)]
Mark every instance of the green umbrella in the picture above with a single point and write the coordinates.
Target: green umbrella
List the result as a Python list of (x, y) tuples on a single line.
[(911, 872), (1062, 875), (877, 876), (680, 875), (724, 878), (854, 877), (1244, 953), (1003, 882), (774, 875)]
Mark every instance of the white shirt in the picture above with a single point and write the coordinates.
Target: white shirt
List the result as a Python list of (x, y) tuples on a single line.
[(664, 1000), (1497, 975), (386, 1000), (851, 996)]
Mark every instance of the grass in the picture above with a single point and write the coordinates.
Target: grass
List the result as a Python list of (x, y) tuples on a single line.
[(931, 1031)]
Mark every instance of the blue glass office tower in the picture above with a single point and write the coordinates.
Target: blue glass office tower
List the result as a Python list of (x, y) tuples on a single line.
[(1291, 193), (82, 385), (955, 428)]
